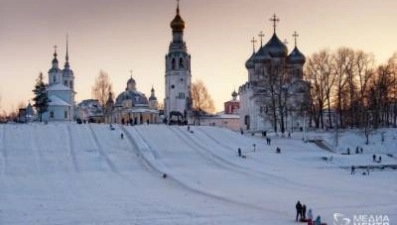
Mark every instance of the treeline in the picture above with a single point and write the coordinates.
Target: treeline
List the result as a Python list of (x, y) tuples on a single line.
[(348, 89)]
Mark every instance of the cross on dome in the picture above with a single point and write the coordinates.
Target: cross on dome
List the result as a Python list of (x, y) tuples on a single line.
[(253, 41), (275, 20), (261, 35), (295, 35)]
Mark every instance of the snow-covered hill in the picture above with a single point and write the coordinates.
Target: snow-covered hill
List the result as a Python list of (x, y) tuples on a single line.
[(65, 173)]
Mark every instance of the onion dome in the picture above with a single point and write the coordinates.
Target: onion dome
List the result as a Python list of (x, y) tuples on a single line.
[(54, 68), (234, 94), (296, 57), (177, 24), (262, 56), (276, 48), (249, 64), (152, 96)]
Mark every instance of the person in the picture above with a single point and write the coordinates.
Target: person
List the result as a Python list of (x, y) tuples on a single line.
[(303, 211), (348, 151), (239, 152), (188, 128), (368, 170), (317, 221), (298, 207), (352, 170), (289, 134), (122, 136), (361, 150), (374, 158), (380, 159), (309, 215), (278, 150), (357, 151)]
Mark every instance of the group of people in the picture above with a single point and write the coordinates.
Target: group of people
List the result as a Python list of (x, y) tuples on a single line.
[(303, 217)]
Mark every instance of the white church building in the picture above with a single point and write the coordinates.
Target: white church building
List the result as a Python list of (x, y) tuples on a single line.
[(275, 97), (178, 76), (60, 91)]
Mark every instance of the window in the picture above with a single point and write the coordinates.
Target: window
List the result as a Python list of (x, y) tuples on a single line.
[(71, 84), (54, 79), (181, 63), (66, 114), (181, 95), (65, 83), (51, 114), (173, 63), (172, 86)]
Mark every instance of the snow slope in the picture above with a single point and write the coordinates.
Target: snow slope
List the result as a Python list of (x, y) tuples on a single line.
[(64, 173)]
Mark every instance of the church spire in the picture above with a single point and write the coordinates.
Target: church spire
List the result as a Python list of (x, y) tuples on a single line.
[(67, 65), (177, 7)]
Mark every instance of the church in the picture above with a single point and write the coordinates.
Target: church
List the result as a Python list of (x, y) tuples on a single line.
[(178, 101), (60, 90), (275, 97)]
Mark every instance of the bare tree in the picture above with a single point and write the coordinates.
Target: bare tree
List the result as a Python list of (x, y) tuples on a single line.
[(202, 100), (320, 72), (102, 88)]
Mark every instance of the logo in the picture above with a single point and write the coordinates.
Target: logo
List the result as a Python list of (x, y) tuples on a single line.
[(340, 219), (361, 219)]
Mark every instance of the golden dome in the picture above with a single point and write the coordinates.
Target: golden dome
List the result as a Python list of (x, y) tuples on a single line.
[(177, 24)]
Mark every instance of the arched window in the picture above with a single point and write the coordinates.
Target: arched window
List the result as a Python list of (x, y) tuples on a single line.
[(181, 63), (71, 84), (65, 83), (54, 79), (173, 66)]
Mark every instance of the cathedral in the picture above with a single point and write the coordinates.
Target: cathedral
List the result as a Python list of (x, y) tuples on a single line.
[(60, 89), (177, 102), (275, 97)]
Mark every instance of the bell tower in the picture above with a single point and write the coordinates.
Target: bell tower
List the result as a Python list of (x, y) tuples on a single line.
[(178, 74)]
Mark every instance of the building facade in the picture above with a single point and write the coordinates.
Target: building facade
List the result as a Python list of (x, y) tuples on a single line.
[(60, 90), (132, 107), (275, 96), (178, 74)]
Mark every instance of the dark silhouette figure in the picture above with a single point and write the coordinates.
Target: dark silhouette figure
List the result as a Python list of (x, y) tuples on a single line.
[(239, 152), (278, 150), (348, 151), (289, 134), (122, 136), (373, 158), (380, 159), (361, 150), (298, 207), (352, 170), (188, 128), (268, 140), (357, 151), (303, 211)]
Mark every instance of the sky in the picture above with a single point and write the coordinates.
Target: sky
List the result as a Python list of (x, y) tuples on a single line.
[(122, 35)]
